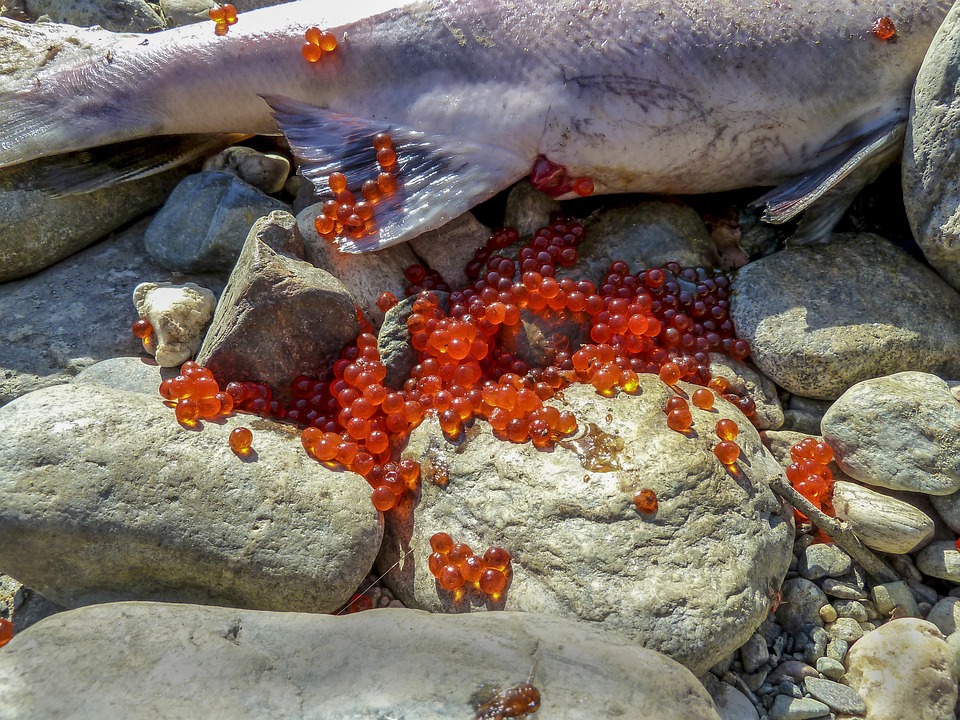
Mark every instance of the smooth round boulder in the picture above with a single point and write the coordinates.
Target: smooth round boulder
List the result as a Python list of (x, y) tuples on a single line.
[(820, 318), (166, 662), (693, 579), (104, 497)]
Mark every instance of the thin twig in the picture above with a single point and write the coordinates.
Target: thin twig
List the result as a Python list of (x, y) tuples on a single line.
[(840, 532)]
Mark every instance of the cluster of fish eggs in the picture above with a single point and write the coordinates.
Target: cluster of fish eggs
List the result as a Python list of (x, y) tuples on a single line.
[(456, 567), (809, 474)]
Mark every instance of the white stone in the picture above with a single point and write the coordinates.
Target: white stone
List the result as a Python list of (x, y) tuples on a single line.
[(151, 661), (265, 171), (880, 521), (904, 669), (179, 315)]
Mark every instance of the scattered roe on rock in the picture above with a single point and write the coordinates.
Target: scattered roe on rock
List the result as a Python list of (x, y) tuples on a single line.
[(240, 440), (142, 329), (661, 320), (317, 43), (6, 631), (456, 567), (224, 16), (810, 476)]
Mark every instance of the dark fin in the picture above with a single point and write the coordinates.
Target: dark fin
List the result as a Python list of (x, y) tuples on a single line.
[(84, 171), (827, 192), (439, 178)]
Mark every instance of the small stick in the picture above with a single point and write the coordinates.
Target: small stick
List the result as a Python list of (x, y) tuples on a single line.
[(840, 532)]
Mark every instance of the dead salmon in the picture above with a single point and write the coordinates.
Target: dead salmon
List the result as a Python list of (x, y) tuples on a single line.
[(601, 96)]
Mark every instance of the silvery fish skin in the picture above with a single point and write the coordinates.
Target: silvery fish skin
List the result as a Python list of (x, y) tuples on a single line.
[(672, 96)]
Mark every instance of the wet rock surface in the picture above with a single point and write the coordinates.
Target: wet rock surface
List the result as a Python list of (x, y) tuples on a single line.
[(113, 512), (241, 664), (582, 550), (814, 330)]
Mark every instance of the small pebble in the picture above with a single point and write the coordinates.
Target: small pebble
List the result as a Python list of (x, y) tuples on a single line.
[(824, 560), (817, 646), (845, 629), (794, 670), (837, 649), (839, 697), (831, 668), (851, 609), (828, 613), (843, 589), (753, 654), (791, 708)]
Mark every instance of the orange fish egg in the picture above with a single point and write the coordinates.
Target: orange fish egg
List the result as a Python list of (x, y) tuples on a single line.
[(224, 16), (884, 28)]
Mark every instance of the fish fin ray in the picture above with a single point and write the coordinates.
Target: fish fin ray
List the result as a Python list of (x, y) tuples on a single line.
[(438, 178), (85, 171), (837, 181)]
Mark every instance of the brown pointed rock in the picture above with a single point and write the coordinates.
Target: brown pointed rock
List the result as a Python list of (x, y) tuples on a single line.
[(279, 316)]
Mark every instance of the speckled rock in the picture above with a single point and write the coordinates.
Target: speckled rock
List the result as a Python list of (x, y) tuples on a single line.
[(900, 432), (839, 697), (115, 15), (185, 12), (889, 597), (279, 316), (940, 560), (790, 708), (265, 171), (930, 154), (824, 560), (39, 230), (365, 276), (128, 504), (945, 615), (799, 609), (68, 317), (448, 249), (744, 380), (880, 521), (179, 315), (203, 225), (814, 330), (528, 209), (247, 665), (731, 703), (634, 574), (904, 669), (134, 374), (948, 506), (645, 234), (803, 414)]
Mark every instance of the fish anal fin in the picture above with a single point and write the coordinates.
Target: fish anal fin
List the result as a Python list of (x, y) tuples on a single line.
[(437, 178), (826, 192)]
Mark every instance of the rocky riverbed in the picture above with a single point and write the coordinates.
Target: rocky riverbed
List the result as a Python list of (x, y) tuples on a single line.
[(150, 570)]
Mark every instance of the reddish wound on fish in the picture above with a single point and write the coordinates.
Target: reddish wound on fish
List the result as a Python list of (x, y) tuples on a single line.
[(224, 16), (551, 179), (885, 29), (317, 43)]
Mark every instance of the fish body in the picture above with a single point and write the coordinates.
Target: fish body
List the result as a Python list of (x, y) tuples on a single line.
[(670, 96)]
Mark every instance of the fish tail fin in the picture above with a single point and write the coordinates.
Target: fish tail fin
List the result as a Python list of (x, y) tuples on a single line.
[(434, 178)]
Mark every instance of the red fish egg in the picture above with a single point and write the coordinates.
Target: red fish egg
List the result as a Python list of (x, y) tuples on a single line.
[(386, 158), (435, 562), (497, 558), (241, 439), (679, 420), (187, 411), (727, 451), (670, 373), (382, 140), (459, 552), (142, 329), (471, 569), (795, 473), (337, 182), (583, 186), (312, 36), (363, 210), (492, 582), (727, 429), (311, 52), (675, 402), (386, 182), (646, 501), (327, 41), (383, 498), (719, 385), (386, 300), (324, 225), (441, 542), (370, 191), (703, 398), (450, 578), (884, 28), (822, 453), (208, 407)]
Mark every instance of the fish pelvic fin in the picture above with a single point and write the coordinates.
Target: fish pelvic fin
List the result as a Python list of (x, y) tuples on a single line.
[(824, 194), (436, 178)]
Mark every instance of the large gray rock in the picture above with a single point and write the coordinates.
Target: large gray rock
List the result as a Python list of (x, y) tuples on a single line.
[(279, 316), (448, 249), (106, 497), (940, 560), (930, 154), (204, 223), (904, 669), (166, 662), (56, 323), (38, 229), (900, 432), (115, 15), (820, 318), (135, 374), (693, 581)]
